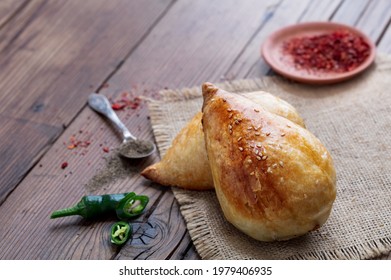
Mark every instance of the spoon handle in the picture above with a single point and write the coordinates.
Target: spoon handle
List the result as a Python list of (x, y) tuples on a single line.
[(99, 103)]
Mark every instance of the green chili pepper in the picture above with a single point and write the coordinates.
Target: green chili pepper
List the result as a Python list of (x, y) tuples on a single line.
[(92, 206), (120, 232), (131, 206)]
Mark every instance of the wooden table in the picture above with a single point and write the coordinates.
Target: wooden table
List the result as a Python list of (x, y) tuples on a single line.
[(53, 54)]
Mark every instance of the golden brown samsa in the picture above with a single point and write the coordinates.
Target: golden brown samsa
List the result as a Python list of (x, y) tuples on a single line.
[(186, 165), (274, 179)]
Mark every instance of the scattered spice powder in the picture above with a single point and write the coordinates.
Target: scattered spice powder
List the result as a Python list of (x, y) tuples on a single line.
[(339, 51), (106, 149), (115, 168)]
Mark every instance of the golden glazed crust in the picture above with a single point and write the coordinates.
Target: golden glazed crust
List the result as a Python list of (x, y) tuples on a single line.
[(186, 164), (273, 178)]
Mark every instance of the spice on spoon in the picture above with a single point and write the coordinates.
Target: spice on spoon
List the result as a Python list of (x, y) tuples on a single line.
[(135, 148)]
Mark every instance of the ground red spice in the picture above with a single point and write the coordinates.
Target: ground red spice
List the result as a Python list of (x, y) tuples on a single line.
[(106, 149), (339, 51), (64, 165)]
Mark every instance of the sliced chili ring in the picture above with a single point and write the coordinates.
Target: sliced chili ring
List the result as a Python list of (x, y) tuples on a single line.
[(131, 206), (120, 232)]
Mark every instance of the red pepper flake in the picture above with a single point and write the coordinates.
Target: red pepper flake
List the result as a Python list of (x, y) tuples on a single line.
[(125, 101), (64, 165), (74, 143), (339, 51), (118, 106), (106, 149)]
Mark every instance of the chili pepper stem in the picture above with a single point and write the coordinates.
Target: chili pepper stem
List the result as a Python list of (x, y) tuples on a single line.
[(75, 210)]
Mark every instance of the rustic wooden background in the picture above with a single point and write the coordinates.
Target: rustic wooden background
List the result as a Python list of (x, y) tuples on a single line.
[(53, 54)]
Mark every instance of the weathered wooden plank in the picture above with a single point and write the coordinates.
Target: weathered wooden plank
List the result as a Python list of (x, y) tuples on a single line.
[(207, 38), (52, 54), (385, 43), (49, 187), (72, 61), (191, 254), (320, 10), (350, 11), (288, 12), (157, 237), (40, 137), (8, 8), (375, 19)]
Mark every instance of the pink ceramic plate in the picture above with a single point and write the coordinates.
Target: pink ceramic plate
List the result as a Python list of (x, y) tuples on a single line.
[(273, 55)]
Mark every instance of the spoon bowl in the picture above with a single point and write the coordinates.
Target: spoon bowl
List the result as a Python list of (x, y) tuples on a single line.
[(131, 147)]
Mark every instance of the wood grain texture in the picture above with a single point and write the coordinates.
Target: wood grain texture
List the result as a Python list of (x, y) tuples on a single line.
[(286, 13), (9, 8), (159, 236), (48, 187), (375, 19), (350, 11), (321, 10), (193, 44), (52, 55), (385, 43)]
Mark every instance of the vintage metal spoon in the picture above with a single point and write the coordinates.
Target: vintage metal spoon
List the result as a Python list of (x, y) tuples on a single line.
[(131, 147)]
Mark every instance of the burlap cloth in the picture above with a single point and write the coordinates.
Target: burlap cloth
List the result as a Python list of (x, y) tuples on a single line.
[(353, 120)]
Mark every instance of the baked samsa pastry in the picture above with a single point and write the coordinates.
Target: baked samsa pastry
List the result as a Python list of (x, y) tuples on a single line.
[(186, 165), (274, 179)]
